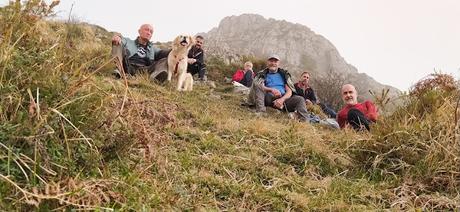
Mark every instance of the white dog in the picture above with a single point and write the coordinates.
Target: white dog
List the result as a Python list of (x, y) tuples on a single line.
[(177, 62)]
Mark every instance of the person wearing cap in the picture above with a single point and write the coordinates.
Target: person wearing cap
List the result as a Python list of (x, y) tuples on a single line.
[(359, 116), (134, 56), (273, 87)]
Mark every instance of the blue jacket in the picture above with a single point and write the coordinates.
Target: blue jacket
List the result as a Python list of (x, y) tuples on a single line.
[(261, 75)]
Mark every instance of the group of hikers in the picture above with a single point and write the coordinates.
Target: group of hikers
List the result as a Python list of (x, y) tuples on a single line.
[(270, 87)]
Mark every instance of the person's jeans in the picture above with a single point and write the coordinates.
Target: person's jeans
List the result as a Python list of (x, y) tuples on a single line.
[(328, 111)]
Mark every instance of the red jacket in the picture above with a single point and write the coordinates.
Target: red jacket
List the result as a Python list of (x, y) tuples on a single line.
[(367, 108), (238, 76)]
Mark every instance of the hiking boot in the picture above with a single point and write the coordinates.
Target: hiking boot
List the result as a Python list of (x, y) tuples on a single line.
[(116, 73), (293, 116), (247, 104), (159, 76)]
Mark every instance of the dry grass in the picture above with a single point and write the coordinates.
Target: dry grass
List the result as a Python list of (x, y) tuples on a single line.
[(74, 138)]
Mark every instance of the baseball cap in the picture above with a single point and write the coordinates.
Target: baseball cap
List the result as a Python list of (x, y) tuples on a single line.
[(273, 56)]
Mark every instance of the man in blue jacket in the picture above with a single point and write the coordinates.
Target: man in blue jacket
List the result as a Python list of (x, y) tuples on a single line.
[(273, 87), (134, 56)]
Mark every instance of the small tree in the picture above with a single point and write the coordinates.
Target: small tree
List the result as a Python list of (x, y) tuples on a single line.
[(328, 88)]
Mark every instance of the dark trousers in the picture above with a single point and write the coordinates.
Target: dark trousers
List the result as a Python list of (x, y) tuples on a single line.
[(197, 69), (358, 120), (122, 61)]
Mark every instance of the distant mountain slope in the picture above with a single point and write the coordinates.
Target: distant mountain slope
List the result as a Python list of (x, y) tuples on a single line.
[(299, 47)]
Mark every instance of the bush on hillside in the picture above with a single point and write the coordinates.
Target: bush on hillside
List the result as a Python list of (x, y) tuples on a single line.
[(51, 112), (418, 145), (328, 88)]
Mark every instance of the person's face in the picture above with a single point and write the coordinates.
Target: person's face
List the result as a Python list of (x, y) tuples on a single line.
[(349, 95), (247, 67), (199, 42), (146, 32), (305, 78), (273, 64)]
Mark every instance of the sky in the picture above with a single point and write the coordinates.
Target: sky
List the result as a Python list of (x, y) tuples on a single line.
[(397, 42)]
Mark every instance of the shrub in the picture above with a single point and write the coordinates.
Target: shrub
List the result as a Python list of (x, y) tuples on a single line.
[(418, 144)]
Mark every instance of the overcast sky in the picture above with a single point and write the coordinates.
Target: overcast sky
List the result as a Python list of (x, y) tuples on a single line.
[(396, 42)]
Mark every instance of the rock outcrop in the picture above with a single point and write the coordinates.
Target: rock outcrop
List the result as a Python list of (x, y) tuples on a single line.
[(298, 46)]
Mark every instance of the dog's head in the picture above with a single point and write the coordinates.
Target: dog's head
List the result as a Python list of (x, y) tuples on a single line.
[(183, 42)]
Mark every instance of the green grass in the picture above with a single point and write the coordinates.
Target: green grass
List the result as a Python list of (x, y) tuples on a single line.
[(72, 137)]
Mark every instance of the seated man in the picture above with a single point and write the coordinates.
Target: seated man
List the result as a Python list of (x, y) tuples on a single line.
[(244, 77), (354, 114), (196, 59), (303, 89), (273, 87), (134, 56)]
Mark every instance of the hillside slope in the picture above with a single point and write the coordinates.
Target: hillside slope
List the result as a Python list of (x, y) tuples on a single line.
[(72, 137)]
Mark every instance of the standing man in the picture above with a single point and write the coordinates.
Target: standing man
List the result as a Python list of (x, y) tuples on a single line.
[(273, 87), (354, 114), (196, 59), (134, 56)]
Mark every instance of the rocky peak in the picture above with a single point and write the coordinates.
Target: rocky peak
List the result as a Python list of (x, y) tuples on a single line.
[(298, 46)]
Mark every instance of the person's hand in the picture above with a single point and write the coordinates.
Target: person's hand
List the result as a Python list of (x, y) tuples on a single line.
[(279, 103), (191, 61), (308, 102), (116, 39), (276, 92)]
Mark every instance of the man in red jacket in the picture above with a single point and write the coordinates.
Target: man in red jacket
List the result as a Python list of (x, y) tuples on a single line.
[(354, 114)]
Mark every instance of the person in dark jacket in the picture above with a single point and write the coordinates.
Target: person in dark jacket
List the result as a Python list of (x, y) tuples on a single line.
[(303, 89), (196, 63)]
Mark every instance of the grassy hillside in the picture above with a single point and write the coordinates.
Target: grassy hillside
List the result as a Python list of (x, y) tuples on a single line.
[(72, 137)]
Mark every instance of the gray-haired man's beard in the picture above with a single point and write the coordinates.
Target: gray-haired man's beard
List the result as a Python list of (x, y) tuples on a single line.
[(272, 69)]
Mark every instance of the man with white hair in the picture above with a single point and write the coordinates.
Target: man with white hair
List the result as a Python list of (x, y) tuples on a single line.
[(359, 116), (134, 56)]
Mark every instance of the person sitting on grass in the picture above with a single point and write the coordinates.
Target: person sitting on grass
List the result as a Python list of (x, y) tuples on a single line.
[(134, 56), (359, 116), (273, 87), (244, 77), (304, 89), (195, 60)]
